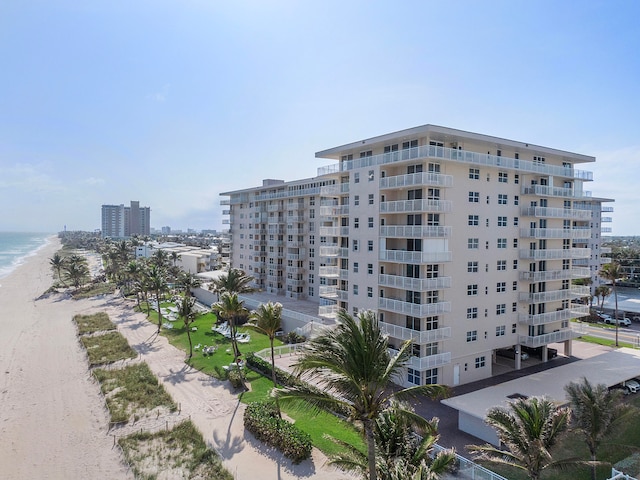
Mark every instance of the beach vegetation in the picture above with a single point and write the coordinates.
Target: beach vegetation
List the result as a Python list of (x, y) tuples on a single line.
[(107, 348), (236, 281), (157, 283), (93, 290), (57, 263), (132, 390), (268, 320), (76, 270), (92, 323), (188, 313), (180, 450), (232, 310)]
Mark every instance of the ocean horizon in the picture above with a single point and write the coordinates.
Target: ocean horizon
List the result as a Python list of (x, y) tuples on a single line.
[(16, 247)]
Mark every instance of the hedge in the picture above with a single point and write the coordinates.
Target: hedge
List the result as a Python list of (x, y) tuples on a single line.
[(262, 420)]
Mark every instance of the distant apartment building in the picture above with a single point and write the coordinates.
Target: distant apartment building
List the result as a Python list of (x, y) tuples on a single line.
[(119, 221), (462, 242)]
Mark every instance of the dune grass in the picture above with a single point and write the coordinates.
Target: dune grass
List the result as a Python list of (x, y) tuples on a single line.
[(107, 348), (132, 390), (97, 322)]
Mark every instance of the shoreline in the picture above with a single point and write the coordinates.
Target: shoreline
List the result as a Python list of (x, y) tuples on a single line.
[(19, 261)]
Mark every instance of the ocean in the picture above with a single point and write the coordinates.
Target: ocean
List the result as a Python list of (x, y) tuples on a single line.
[(16, 246)]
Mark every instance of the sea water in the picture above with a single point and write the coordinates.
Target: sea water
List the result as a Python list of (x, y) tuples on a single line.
[(15, 247)]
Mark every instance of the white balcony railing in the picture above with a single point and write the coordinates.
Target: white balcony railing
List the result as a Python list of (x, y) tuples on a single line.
[(416, 179), (549, 275), (546, 212), (416, 284), (329, 272), (571, 233), (415, 231), (417, 336), (555, 295), (403, 256), (540, 340), (555, 254), (551, 191), (420, 205), (576, 311), (413, 309)]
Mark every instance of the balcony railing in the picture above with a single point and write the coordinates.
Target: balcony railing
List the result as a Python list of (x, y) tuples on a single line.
[(576, 311), (420, 205), (555, 254), (334, 210), (329, 272), (546, 212), (334, 251), (334, 190), (416, 179), (555, 295), (418, 336), (413, 309), (551, 191), (415, 231), (328, 311), (334, 231), (460, 156), (403, 256), (571, 233), (604, 250), (428, 362), (415, 284), (540, 340), (549, 275)]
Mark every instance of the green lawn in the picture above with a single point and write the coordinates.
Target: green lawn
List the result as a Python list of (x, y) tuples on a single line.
[(604, 341), (107, 348)]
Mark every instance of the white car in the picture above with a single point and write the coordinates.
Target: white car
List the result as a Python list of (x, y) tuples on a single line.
[(612, 321), (632, 386)]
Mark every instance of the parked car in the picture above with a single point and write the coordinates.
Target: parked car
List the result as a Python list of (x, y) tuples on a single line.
[(537, 352), (511, 353), (635, 318), (632, 386), (611, 321)]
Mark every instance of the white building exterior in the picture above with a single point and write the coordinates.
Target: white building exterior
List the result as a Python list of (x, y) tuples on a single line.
[(190, 259), (461, 242)]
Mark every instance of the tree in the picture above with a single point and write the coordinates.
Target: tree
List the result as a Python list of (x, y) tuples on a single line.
[(528, 429), (231, 309), (175, 256), (236, 281), (268, 319), (355, 370), (157, 282), (133, 271), (188, 281), (76, 269), (57, 262), (613, 272), (400, 452), (186, 309), (595, 411), (601, 293), (160, 258)]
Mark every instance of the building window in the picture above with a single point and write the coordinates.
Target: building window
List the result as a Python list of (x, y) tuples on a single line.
[(356, 177), (431, 376), (370, 245), (502, 221), (515, 243), (311, 278), (311, 294), (370, 292), (515, 286), (472, 267), (502, 198), (370, 268), (356, 222), (370, 222), (472, 289), (472, 312), (474, 174), (516, 200), (515, 221), (474, 197), (413, 376), (514, 328), (412, 323), (480, 362), (515, 264), (356, 200), (355, 289), (473, 243), (502, 265), (474, 220), (501, 287), (355, 245), (371, 199), (472, 335), (501, 330), (503, 177), (355, 267), (312, 253), (501, 309), (514, 308), (502, 243)]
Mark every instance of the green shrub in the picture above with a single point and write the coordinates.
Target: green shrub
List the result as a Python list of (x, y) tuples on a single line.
[(235, 377), (262, 420)]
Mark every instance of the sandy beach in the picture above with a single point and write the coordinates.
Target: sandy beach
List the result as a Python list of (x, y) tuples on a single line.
[(53, 423)]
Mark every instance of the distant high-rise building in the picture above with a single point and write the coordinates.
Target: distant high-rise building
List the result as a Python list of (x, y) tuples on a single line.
[(120, 221)]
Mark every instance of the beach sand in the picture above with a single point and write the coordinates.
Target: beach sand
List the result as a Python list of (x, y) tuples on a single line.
[(53, 423)]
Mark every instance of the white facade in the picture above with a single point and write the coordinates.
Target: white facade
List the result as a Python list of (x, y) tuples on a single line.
[(463, 243)]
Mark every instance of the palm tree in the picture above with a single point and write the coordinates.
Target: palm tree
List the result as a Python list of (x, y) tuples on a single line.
[(268, 319), (602, 292), (133, 272), (528, 429), (57, 262), (595, 411), (188, 281), (613, 272), (236, 281), (160, 258), (157, 281), (354, 369), (231, 309), (175, 256), (401, 452), (76, 269), (186, 309)]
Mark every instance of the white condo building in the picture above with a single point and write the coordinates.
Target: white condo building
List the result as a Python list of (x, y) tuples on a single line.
[(464, 243)]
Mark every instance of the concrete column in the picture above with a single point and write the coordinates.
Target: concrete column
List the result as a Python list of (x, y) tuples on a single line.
[(545, 353), (568, 345)]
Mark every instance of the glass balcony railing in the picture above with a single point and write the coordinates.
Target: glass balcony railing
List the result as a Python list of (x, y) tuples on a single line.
[(421, 205), (576, 311), (545, 339), (546, 212), (414, 309), (416, 284), (418, 336), (403, 256), (416, 179), (415, 231)]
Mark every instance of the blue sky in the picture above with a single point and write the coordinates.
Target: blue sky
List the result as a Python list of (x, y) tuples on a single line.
[(171, 103)]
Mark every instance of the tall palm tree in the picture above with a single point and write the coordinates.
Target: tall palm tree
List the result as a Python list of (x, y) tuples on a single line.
[(157, 281), (77, 269), (160, 258), (401, 453), (186, 310), (231, 309), (354, 369), (236, 281), (595, 411), (268, 319), (174, 256), (188, 281), (57, 262), (612, 272), (528, 429), (133, 272), (601, 293)]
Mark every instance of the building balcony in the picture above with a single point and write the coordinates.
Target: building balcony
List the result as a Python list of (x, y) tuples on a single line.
[(545, 212), (226, 212), (575, 311), (226, 221), (555, 254), (329, 272), (426, 363), (334, 210), (541, 340), (297, 256), (275, 243), (606, 219), (225, 202), (555, 295), (415, 231), (295, 269), (328, 291), (291, 219), (416, 179), (420, 205), (334, 231), (418, 336), (550, 191), (413, 309), (605, 250), (275, 291), (328, 311), (274, 208), (295, 282), (549, 275), (415, 284), (604, 260), (275, 220), (333, 251), (570, 233), (334, 190), (403, 256), (259, 243), (603, 209), (275, 278)]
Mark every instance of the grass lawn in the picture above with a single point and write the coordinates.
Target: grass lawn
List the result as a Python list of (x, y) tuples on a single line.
[(133, 390), (107, 348), (97, 322), (604, 341)]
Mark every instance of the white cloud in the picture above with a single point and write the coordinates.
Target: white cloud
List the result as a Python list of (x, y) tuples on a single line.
[(92, 181)]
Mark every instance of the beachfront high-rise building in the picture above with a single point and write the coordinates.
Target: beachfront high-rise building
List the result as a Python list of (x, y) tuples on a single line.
[(464, 243), (119, 221)]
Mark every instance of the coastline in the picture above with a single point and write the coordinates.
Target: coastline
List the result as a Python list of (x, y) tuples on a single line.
[(7, 270)]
